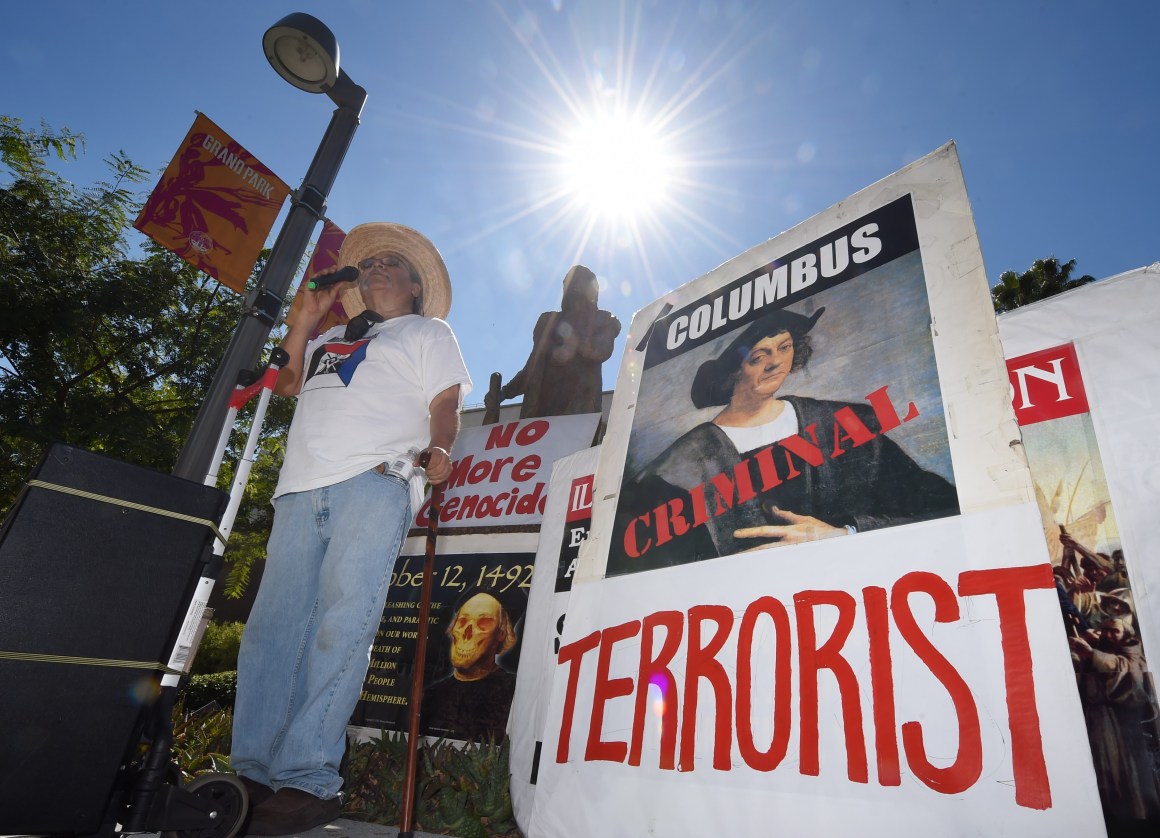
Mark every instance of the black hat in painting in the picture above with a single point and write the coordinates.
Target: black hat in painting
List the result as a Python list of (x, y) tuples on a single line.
[(712, 385)]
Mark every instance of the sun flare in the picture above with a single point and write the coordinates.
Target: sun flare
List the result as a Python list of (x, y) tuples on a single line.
[(613, 152), (616, 167)]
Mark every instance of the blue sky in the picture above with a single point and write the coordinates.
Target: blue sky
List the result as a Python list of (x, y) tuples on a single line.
[(762, 114)]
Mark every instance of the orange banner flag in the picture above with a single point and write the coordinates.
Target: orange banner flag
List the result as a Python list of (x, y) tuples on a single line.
[(325, 256), (214, 205)]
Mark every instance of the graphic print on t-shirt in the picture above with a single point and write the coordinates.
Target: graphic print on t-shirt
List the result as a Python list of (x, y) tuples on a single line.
[(333, 364)]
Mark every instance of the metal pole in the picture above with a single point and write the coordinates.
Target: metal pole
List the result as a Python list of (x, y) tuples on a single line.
[(265, 303)]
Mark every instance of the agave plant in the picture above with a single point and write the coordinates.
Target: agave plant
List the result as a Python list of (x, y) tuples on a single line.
[(462, 790), (201, 740)]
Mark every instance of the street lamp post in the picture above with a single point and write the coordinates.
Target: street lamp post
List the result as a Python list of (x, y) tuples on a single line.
[(305, 53)]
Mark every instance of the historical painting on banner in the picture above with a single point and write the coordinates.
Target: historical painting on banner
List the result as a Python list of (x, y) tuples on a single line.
[(1116, 686), (796, 402)]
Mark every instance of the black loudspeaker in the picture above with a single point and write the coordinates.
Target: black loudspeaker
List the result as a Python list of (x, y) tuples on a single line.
[(85, 578)]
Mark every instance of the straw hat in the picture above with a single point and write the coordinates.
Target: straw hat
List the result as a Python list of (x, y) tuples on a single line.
[(368, 239)]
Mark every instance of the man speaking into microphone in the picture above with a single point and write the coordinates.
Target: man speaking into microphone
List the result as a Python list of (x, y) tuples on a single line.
[(373, 396)]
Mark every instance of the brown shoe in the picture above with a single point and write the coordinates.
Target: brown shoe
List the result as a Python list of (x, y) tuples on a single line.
[(289, 811), (257, 792)]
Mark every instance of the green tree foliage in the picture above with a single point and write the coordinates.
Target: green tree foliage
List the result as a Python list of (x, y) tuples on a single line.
[(105, 349), (1045, 278), (218, 651), (105, 352)]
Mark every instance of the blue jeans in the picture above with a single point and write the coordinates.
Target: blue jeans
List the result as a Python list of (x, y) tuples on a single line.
[(306, 646)]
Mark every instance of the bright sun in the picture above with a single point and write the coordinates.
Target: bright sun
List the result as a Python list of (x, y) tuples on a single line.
[(616, 167)]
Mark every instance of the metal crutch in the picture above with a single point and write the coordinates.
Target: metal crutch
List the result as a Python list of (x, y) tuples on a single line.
[(264, 386)]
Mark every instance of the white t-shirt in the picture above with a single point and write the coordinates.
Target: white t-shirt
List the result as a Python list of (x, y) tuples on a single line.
[(367, 402)]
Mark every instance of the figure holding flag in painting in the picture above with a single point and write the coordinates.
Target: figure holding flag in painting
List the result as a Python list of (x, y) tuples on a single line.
[(1120, 709)]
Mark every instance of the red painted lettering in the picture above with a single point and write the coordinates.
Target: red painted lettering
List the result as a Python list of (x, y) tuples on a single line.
[(630, 542), (526, 468), (1008, 585), (847, 426), (606, 689), (961, 774), (882, 686), (884, 410), (702, 663), (501, 436), (654, 672), (672, 513), (531, 432), (782, 688), (829, 656), (571, 655)]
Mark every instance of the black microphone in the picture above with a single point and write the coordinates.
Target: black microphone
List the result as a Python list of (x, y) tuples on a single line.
[(347, 274)]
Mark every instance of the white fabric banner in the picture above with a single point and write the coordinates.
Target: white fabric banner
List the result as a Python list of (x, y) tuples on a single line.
[(816, 595), (567, 516), (820, 695), (1085, 379)]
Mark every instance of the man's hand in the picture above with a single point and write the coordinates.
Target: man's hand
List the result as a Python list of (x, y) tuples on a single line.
[(798, 529), (444, 428), (438, 466), (316, 303)]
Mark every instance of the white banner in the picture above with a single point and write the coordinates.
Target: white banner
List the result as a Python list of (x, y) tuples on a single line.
[(1086, 388), (816, 695), (567, 517), (816, 595)]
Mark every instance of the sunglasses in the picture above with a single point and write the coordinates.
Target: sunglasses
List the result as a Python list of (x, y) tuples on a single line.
[(389, 261)]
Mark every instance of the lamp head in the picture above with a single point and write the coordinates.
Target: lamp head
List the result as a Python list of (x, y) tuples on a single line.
[(303, 51)]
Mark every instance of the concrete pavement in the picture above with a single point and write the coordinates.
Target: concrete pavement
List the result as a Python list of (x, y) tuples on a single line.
[(343, 828), (357, 829)]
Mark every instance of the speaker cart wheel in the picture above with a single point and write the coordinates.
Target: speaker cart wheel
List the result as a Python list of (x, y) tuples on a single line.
[(230, 802)]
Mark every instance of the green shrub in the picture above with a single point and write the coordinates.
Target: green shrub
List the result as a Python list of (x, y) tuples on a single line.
[(461, 790), (220, 687), (219, 649)]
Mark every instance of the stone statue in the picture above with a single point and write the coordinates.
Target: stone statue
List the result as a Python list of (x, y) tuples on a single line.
[(562, 373)]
